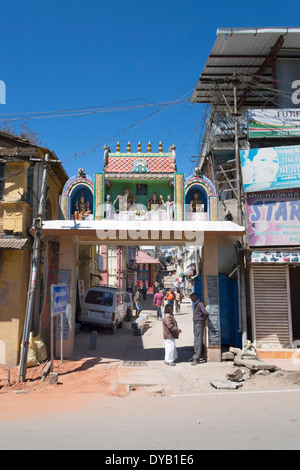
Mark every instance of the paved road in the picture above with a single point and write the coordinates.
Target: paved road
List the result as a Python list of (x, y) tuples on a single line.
[(171, 408), (250, 420)]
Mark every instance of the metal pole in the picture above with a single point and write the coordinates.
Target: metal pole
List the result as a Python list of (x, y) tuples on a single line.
[(51, 334), (240, 253), (237, 153), (33, 276), (61, 339)]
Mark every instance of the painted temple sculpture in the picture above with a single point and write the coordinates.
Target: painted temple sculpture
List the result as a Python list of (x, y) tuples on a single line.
[(139, 186)]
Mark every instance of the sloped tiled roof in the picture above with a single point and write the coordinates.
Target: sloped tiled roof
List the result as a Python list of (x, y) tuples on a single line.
[(123, 163)]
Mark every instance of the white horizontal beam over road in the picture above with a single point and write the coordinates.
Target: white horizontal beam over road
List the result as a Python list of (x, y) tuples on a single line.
[(141, 232)]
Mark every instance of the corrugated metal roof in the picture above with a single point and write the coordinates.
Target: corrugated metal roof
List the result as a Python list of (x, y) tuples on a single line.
[(244, 50), (12, 243)]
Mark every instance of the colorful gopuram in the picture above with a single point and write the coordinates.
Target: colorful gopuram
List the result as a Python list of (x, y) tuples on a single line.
[(139, 186)]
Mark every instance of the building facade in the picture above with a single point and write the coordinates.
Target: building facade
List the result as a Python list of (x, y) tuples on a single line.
[(21, 166), (251, 152)]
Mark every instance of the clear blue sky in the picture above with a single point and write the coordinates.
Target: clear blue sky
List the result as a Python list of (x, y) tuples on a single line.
[(73, 54)]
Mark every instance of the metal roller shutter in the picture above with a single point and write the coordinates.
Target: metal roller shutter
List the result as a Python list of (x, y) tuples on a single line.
[(295, 300), (270, 306)]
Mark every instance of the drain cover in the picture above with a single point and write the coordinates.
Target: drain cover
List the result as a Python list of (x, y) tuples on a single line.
[(134, 364)]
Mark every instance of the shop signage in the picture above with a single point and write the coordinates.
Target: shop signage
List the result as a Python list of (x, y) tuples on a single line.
[(273, 123), (288, 82), (143, 275), (271, 168), (275, 257), (214, 334), (59, 305), (274, 218), (60, 298)]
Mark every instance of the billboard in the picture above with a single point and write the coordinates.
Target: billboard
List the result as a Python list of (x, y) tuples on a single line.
[(274, 218), (273, 123), (270, 168), (288, 82)]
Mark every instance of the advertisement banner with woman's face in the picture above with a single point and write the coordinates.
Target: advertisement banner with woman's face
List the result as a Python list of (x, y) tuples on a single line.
[(270, 168)]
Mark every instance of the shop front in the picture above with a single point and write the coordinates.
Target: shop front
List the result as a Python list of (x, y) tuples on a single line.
[(274, 239)]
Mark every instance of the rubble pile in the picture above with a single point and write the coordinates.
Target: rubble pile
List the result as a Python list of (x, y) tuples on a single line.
[(245, 365)]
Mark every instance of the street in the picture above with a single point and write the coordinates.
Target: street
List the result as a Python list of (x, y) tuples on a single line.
[(229, 420), (121, 396)]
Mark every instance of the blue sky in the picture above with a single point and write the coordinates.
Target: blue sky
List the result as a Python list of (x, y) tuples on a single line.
[(122, 55)]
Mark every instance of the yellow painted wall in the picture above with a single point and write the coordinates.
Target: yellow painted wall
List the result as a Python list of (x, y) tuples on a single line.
[(15, 180), (13, 295), (16, 218)]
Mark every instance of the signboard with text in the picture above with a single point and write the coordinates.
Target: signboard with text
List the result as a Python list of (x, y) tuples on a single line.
[(288, 82), (60, 299), (273, 123), (274, 218)]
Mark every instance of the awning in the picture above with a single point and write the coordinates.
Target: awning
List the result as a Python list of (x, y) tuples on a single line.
[(251, 54), (12, 243), (143, 258)]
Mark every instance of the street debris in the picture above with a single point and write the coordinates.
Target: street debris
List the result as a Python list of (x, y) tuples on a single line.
[(226, 385), (236, 375)]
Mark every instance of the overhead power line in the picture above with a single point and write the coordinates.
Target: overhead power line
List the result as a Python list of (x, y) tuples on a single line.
[(87, 111)]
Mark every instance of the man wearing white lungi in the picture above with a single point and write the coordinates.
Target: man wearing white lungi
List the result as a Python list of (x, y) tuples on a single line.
[(170, 333)]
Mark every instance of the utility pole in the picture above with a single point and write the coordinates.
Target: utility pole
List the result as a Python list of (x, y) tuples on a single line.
[(37, 223), (237, 152), (240, 248)]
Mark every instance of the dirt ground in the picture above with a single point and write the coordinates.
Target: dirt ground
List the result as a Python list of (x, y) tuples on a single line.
[(76, 376), (91, 377), (101, 376)]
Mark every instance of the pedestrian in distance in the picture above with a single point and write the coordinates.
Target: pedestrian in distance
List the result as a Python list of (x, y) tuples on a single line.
[(144, 291), (178, 299), (158, 302), (200, 315), (170, 297), (170, 333), (137, 302)]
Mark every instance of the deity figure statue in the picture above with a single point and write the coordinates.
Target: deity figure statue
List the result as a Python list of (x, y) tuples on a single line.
[(126, 200), (196, 203), (153, 203), (169, 204), (108, 206), (82, 208)]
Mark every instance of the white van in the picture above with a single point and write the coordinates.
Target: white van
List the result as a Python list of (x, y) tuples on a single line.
[(103, 306)]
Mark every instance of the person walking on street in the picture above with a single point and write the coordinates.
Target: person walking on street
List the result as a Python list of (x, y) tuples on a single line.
[(137, 302), (170, 297), (200, 316), (170, 333), (158, 302), (144, 291), (178, 298)]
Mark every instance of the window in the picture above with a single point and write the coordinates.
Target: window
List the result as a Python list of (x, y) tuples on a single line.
[(29, 198), (2, 181), (99, 298), (48, 210)]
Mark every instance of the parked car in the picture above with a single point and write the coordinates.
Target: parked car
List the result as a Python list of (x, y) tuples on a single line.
[(128, 299), (104, 307)]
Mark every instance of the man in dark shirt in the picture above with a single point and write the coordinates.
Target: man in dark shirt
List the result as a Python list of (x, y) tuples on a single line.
[(200, 316)]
